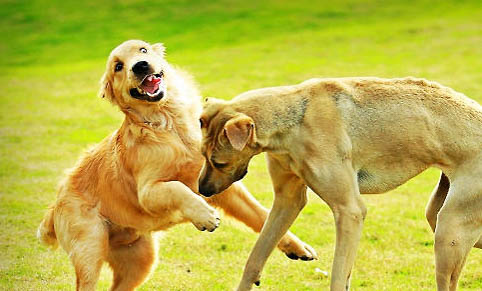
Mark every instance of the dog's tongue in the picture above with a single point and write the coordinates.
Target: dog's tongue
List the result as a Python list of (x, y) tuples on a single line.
[(150, 84)]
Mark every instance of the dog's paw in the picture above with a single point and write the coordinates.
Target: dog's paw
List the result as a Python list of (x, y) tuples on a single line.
[(295, 249), (205, 218)]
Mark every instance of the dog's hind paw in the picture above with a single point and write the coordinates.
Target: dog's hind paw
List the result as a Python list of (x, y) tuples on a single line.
[(295, 249)]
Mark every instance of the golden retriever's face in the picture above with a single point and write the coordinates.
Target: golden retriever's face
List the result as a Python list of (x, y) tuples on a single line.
[(135, 71)]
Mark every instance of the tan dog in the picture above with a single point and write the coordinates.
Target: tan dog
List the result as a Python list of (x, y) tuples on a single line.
[(143, 177), (343, 137)]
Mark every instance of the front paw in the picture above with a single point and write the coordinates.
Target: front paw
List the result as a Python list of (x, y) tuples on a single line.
[(205, 218), (295, 249)]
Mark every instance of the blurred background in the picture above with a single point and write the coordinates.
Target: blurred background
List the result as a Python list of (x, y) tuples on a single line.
[(53, 54)]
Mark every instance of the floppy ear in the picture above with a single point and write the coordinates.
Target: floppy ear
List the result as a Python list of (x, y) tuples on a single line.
[(106, 90), (239, 131), (159, 49)]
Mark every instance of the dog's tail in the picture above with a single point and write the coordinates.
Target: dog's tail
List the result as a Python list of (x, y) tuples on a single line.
[(46, 231)]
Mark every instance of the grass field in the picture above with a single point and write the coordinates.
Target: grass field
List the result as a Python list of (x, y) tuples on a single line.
[(53, 54)]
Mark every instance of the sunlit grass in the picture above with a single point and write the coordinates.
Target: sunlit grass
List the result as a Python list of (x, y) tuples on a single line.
[(53, 55)]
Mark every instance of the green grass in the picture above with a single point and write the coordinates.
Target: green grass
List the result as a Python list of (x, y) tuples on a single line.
[(53, 54)]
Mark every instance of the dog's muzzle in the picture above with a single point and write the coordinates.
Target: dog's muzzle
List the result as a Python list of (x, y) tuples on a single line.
[(207, 190), (152, 87)]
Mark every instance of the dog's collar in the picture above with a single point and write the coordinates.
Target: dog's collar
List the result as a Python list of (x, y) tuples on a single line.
[(139, 120), (152, 124), (158, 125)]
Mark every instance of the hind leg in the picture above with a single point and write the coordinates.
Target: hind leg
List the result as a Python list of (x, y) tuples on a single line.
[(82, 234), (87, 258), (459, 227), (436, 202), (132, 263), (478, 244)]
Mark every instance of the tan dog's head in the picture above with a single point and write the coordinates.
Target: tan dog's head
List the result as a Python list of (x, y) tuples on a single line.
[(229, 142), (135, 73)]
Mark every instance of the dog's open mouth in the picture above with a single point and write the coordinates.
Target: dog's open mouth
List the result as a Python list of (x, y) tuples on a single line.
[(151, 88)]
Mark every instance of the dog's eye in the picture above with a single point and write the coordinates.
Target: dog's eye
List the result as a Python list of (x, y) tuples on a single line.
[(219, 165), (143, 50), (118, 67), (201, 122)]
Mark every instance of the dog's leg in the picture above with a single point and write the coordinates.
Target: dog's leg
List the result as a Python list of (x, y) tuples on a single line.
[(87, 256), (82, 234), (290, 198), (436, 201), (337, 186), (478, 244), (132, 263), (237, 202), (349, 221), (459, 227), (158, 197)]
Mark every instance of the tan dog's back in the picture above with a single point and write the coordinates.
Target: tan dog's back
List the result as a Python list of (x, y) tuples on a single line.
[(393, 123), (390, 123)]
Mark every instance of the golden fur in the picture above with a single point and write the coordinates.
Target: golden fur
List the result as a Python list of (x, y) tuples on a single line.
[(342, 137), (142, 178)]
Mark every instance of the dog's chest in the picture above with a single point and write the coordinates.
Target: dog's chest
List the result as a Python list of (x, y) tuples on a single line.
[(181, 160), (189, 174)]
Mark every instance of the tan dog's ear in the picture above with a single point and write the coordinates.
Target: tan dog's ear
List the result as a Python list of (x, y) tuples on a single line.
[(106, 90), (159, 48), (210, 101), (211, 107), (239, 131)]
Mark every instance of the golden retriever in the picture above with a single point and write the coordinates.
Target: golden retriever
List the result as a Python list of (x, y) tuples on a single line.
[(143, 177)]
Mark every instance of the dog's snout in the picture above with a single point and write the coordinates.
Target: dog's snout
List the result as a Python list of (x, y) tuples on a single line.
[(141, 67), (206, 190)]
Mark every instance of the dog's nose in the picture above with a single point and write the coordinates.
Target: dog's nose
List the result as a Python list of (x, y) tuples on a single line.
[(206, 191), (141, 67)]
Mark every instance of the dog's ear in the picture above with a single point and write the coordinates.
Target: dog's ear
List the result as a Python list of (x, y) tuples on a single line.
[(239, 131), (159, 48), (211, 101), (106, 90), (211, 107)]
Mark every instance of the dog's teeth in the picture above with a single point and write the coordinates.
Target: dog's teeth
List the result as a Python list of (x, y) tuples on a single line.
[(140, 91), (153, 94)]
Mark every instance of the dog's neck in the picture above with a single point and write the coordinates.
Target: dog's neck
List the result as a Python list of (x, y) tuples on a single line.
[(153, 116), (274, 123), (178, 113), (173, 110)]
